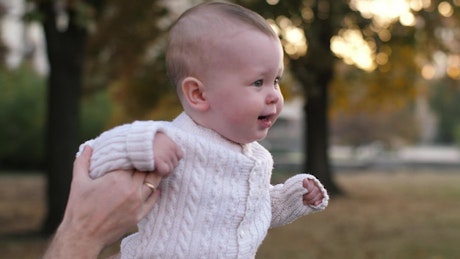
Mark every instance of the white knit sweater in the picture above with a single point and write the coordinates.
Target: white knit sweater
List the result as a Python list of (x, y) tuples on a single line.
[(217, 203)]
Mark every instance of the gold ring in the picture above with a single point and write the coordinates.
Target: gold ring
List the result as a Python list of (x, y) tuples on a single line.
[(151, 186)]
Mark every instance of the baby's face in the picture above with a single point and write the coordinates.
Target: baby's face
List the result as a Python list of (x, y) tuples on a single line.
[(242, 86)]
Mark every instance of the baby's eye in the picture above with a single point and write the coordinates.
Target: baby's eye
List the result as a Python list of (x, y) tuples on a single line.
[(277, 81), (258, 83)]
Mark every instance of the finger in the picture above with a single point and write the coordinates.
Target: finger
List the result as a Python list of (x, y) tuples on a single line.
[(179, 153), (138, 180), (153, 178), (173, 162), (319, 197), (163, 168), (160, 167), (315, 199), (307, 184), (149, 203), (147, 190), (170, 167), (150, 184), (318, 202), (309, 195), (312, 194), (145, 187), (81, 164)]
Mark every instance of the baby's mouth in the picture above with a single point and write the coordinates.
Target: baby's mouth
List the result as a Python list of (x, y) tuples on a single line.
[(266, 118), (263, 117)]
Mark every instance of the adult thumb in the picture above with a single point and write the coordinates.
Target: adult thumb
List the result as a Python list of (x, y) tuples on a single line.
[(81, 163)]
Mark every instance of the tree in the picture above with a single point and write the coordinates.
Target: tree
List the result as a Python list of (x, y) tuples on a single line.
[(2, 46), (65, 41), (69, 26), (126, 57), (445, 103), (379, 106)]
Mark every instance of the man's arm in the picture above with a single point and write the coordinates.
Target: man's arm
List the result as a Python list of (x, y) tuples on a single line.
[(100, 211)]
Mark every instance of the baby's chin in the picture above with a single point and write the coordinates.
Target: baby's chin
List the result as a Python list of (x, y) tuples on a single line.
[(248, 138), (246, 141), (257, 138)]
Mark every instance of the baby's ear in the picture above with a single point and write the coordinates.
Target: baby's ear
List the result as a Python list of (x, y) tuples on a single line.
[(194, 93)]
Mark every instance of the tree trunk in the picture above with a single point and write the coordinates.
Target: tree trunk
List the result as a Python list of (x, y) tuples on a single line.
[(65, 48), (317, 136), (315, 72)]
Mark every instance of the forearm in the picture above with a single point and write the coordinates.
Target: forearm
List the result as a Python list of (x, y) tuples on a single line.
[(100, 211), (69, 242), (287, 200), (128, 146)]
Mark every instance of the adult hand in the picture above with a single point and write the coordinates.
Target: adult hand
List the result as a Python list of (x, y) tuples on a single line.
[(100, 211)]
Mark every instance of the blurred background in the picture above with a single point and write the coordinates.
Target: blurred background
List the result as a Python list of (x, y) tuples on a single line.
[(372, 91)]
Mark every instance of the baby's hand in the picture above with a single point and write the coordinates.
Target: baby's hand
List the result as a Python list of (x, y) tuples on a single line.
[(314, 196), (166, 154)]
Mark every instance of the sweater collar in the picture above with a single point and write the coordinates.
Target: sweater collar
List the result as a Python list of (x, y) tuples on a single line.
[(185, 122)]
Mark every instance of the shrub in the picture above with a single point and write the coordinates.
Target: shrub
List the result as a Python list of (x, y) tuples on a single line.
[(23, 116), (96, 112), (22, 113)]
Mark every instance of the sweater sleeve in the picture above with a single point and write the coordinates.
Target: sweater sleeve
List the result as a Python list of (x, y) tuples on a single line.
[(287, 201), (127, 146)]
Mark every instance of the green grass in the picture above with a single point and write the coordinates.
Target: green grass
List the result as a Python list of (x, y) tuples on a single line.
[(384, 215)]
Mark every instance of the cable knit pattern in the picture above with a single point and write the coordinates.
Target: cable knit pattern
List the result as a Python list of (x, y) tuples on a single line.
[(218, 202), (124, 147)]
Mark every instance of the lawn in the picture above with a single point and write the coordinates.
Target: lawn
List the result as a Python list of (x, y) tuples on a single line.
[(398, 214)]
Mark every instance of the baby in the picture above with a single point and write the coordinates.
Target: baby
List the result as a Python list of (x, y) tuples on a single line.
[(225, 62)]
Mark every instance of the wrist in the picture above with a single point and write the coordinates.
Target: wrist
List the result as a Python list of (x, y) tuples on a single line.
[(71, 241)]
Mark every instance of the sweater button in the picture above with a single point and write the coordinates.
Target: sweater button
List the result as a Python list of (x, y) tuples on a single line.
[(241, 234)]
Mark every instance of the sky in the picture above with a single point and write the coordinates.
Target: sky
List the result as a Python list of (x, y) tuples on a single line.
[(21, 39)]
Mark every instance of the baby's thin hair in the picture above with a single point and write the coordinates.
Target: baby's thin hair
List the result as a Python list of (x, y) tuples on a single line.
[(198, 28)]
